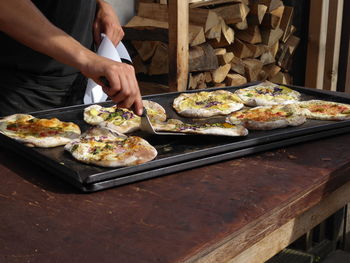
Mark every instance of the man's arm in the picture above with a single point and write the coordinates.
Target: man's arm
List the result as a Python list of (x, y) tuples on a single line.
[(107, 22), (21, 20)]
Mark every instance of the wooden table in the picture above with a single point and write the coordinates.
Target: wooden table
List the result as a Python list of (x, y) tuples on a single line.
[(242, 210)]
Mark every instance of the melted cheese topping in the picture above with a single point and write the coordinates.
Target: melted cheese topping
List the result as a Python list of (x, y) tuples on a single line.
[(113, 114), (100, 148), (329, 109), (40, 127), (208, 100), (261, 114), (271, 93)]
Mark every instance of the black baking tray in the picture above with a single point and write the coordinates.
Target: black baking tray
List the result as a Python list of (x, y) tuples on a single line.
[(175, 153)]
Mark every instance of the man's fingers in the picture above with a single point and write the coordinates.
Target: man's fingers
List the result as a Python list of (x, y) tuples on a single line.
[(138, 106)]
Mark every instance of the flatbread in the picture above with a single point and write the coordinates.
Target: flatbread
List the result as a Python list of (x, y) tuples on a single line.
[(324, 110), (223, 129), (267, 94), (38, 132), (267, 117), (121, 119), (207, 104), (103, 147)]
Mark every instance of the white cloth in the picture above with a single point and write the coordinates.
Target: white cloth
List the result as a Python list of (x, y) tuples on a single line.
[(94, 92)]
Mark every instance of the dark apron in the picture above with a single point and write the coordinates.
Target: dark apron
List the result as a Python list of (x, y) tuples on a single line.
[(31, 81), (41, 95)]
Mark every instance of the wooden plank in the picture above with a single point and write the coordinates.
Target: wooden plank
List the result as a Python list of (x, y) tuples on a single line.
[(316, 49), (155, 11), (178, 45), (335, 18), (194, 4), (295, 228)]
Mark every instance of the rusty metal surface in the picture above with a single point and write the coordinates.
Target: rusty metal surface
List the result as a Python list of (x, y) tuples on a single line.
[(167, 219)]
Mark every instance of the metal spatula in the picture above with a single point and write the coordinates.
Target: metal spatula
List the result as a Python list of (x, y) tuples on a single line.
[(147, 126)]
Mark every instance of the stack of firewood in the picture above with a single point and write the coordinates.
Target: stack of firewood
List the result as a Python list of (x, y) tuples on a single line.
[(231, 41)]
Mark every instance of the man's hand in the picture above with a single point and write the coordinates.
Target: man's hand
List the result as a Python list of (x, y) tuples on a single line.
[(106, 21), (22, 20), (123, 88)]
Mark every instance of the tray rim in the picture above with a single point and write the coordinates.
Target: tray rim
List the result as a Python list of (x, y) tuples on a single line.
[(97, 179)]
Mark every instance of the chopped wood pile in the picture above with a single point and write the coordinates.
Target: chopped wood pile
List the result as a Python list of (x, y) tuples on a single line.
[(231, 41)]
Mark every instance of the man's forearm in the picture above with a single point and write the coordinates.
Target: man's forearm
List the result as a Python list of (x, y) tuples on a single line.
[(23, 21)]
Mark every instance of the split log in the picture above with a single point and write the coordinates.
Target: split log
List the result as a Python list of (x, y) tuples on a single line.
[(235, 80), (211, 21), (197, 81), (267, 58), (208, 77), (144, 26), (242, 25), (251, 35), (252, 68), (197, 16), (237, 66), (214, 33), (281, 78), (271, 36), (256, 14), (225, 58), (271, 70), (227, 32), (232, 14), (220, 73), (271, 4), (274, 48), (219, 85), (257, 50), (286, 51), (196, 35), (220, 51), (272, 20), (160, 61), (226, 36), (239, 49), (145, 49), (286, 22), (202, 58)]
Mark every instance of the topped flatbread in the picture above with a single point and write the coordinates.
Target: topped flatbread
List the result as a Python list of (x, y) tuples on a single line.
[(121, 119), (207, 103), (267, 94), (224, 129), (38, 132), (103, 147), (267, 117), (324, 110)]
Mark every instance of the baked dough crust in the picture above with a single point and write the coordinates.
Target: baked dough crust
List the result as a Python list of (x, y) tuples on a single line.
[(36, 132)]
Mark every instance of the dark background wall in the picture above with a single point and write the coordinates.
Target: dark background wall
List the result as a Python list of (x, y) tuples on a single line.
[(301, 22), (344, 48)]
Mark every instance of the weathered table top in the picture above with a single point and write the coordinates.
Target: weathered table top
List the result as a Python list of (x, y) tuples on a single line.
[(178, 217)]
